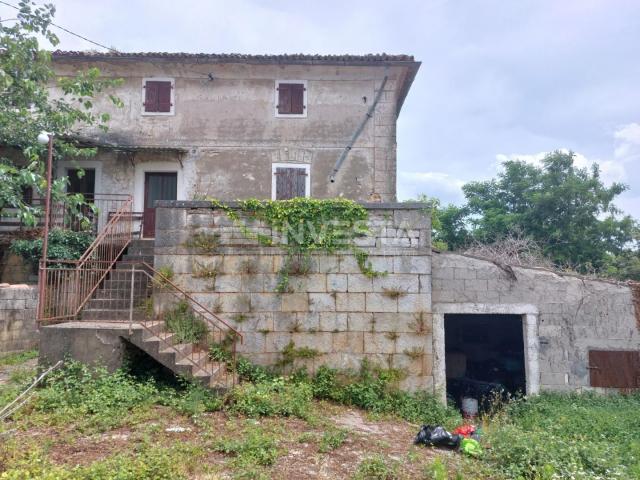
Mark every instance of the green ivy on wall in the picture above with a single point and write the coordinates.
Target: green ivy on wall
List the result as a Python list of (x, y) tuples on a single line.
[(306, 225)]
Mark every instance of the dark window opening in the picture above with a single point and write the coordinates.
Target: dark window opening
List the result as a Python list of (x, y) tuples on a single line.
[(27, 195), (157, 96), (82, 183), (484, 356), (291, 99), (290, 183)]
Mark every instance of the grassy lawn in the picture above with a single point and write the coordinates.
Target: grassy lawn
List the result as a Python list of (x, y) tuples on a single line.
[(93, 425)]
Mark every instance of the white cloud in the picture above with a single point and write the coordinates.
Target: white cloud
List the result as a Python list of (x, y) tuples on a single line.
[(627, 142), (434, 184)]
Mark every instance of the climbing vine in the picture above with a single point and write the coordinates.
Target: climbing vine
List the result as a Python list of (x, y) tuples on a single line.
[(305, 225)]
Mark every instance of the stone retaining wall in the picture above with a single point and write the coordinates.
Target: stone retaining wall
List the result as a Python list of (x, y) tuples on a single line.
[(334, 309), (18, 328)]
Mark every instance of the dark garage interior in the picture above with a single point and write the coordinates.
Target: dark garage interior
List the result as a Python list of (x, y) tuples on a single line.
[(484, 356)]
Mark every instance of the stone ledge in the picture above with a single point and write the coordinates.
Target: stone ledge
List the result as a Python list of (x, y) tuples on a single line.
[(235, 204)]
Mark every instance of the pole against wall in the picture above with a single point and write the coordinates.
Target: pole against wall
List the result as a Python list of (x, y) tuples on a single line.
[(45, 138)]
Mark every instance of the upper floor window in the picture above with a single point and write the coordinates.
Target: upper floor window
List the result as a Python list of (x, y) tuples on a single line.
[(158, 94), (291, 98)]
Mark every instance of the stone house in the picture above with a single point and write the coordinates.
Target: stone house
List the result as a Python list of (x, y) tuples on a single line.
[(239, 126), (274, 127)]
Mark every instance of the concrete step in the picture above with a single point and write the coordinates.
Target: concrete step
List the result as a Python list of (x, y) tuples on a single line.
[(118, 315), (116, 303), (181, 358)]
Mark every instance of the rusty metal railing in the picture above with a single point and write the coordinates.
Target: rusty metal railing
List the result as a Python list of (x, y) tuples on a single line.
[(137, 294), (187, 327), (65, 286)]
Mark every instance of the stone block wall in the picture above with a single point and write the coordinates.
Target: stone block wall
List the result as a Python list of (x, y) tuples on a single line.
[(334, 308), (18, 327), (569, 315)]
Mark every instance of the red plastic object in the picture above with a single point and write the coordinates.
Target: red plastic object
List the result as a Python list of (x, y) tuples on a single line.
[(465, 430)]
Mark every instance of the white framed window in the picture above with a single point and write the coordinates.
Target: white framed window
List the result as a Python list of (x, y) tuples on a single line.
[(158, 96), (290, 180), (291, 98)]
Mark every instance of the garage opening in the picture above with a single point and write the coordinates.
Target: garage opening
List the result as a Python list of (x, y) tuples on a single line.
[(484, 357)]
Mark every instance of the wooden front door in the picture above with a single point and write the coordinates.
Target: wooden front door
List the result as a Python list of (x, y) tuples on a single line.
[(157, 186)]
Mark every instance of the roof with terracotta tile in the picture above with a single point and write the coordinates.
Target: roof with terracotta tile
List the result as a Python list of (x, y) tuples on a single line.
[(296, 58)]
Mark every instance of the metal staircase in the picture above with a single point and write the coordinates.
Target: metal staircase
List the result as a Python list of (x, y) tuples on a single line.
[(114, 281)]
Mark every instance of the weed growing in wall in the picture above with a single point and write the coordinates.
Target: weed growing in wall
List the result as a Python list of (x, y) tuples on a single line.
[(205, 242), (306, 225)]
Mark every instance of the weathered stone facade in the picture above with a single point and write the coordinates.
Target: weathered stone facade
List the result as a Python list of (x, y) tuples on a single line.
[(18, 328), (334, 309), (348, 317), (563, 316), (223, 136)]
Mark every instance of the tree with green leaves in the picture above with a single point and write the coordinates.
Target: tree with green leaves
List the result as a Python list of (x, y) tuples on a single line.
[(28, 106), (568, 211)]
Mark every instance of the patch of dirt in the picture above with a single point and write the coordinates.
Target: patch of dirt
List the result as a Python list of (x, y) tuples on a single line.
[(299, 442), (7, 370)]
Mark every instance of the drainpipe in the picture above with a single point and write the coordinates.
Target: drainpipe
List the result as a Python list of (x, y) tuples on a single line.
[(347, 149)]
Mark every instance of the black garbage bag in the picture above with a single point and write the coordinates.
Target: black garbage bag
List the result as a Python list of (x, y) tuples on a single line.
[(436, 436)]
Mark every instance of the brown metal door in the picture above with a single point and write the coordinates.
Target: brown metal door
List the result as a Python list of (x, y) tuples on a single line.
[(614, 369), (157, 186)]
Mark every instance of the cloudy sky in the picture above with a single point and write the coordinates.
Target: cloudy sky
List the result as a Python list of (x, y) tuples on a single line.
[(499, 79)]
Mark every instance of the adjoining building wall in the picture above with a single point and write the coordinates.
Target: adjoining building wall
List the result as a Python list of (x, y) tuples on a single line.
[(334, 309), (564, 316), (18, 327), (231, 136)]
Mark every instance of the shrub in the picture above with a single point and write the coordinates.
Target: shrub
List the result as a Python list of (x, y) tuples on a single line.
[(272, 397), (376, 467), (255, 447), (374, 390), (63, 245), (188, 327), (191, 399), (76, 390), (332, 439)]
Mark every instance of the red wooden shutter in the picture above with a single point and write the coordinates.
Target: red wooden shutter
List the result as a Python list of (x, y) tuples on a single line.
[(151, 96), (157, 96), (164, 97), (297, 98), (291, 98), (284, 98), (614, 369), (290, 183)]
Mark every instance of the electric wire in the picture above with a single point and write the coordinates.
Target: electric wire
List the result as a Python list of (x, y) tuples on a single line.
[(66, 30)]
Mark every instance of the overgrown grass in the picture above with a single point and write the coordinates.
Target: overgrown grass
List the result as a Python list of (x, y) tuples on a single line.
[(548, 437), (376, 467), (148, 464), (272, 397), (18, 358), (187, 326), (104, 400), (374, 390), (253, 448), (567, 436)]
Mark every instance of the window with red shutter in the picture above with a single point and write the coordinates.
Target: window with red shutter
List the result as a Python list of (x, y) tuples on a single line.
[(291, 98), (158, 96)]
